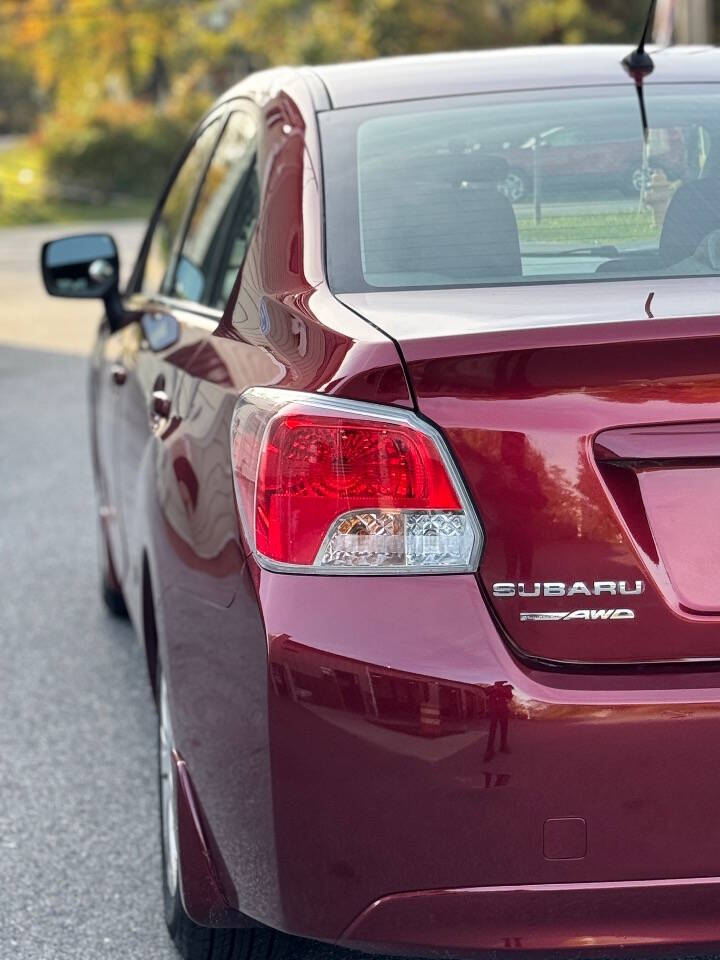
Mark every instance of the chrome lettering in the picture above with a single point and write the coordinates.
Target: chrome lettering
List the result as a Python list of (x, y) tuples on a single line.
[(554, 616), (627, 592), (605, 586), (503, 589), (579, 587), (554, 589), (522, 592)]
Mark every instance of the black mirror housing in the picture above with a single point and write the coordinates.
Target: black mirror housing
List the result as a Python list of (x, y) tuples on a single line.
[(84, 266)]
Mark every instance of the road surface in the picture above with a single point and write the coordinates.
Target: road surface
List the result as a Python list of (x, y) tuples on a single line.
[(79, 859)]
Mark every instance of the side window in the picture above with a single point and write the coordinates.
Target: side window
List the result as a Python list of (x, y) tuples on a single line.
[(166, 231), (223, 219)]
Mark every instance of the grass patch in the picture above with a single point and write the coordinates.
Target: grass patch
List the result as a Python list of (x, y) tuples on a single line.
[(27, 196), (589, 228)]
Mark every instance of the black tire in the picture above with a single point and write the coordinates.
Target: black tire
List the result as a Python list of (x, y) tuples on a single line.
[(114, 600), (192, 941), (516, 186), (110, 590)]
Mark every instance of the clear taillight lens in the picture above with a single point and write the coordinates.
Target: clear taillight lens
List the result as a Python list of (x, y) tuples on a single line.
[(331, 486)]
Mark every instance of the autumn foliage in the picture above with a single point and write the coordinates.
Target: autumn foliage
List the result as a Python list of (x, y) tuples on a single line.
[(112, 86)]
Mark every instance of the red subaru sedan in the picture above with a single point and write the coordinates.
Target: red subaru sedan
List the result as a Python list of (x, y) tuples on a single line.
[(412, 496)]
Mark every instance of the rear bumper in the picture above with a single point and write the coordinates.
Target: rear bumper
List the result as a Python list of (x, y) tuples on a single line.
[(658, 917), (397, 746), (411, 752)]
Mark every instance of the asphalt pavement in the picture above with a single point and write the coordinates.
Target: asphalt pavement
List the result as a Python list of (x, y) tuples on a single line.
[(79, 843), (79, 854)]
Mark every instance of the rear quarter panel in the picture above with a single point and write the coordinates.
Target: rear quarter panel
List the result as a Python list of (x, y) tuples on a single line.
[(281, 327)]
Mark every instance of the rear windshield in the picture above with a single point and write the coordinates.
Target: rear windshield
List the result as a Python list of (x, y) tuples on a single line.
[(547, 186)]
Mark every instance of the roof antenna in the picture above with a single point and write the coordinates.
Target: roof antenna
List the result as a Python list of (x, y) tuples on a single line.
[(639, 64)]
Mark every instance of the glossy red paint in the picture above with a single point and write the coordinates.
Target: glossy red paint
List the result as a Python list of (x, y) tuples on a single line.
[(409, 733), (201, 886), (376, 760), (528, 410), (599, 919)]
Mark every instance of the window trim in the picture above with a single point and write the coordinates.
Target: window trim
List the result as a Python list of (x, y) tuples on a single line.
[(200, 310), (179, 241), (251, 110), (136, 278), (200, 315), (226, 240)]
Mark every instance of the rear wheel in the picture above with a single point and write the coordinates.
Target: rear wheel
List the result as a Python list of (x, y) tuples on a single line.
[(514, 186), (193, 941), (640, 179), (114, 600), (110, 589)]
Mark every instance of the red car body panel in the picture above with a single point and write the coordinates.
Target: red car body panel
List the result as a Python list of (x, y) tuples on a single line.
[(525, 410), (604, 919), (400, 762), (416, 796)]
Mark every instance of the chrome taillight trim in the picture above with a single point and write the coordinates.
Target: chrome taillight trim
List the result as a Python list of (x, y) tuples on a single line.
[(281, 399)]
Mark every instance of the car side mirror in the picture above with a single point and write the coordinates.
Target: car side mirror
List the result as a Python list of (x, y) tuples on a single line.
[(85, 266)]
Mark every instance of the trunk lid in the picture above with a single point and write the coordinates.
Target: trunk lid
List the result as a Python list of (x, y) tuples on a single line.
[(586, 421)]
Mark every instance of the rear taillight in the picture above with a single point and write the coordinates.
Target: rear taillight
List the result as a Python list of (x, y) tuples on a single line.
[(332, 486)]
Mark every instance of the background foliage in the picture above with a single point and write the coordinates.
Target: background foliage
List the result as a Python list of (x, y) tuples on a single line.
[(109, 88)]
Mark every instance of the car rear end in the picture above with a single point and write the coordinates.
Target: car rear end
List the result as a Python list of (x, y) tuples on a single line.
[(494, 691)]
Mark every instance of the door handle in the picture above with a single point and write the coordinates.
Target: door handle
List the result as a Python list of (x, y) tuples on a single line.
[(160, 404), (118, 374)]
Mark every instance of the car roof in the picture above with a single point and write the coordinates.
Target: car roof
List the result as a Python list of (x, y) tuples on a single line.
[(447, 74)]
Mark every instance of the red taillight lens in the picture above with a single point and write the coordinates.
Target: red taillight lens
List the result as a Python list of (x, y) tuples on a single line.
[(326, 485), (313, 469)]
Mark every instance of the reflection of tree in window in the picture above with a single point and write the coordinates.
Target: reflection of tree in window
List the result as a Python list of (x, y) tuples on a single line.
[(244, 225), (169, 223), (223, 219)]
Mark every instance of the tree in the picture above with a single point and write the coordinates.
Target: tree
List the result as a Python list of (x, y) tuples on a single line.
[(83, 52)]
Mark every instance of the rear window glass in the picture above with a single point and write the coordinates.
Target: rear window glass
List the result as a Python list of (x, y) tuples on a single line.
[(547, 186)]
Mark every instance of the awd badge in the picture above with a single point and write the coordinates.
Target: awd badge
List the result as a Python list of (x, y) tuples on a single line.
[(615, 614)]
